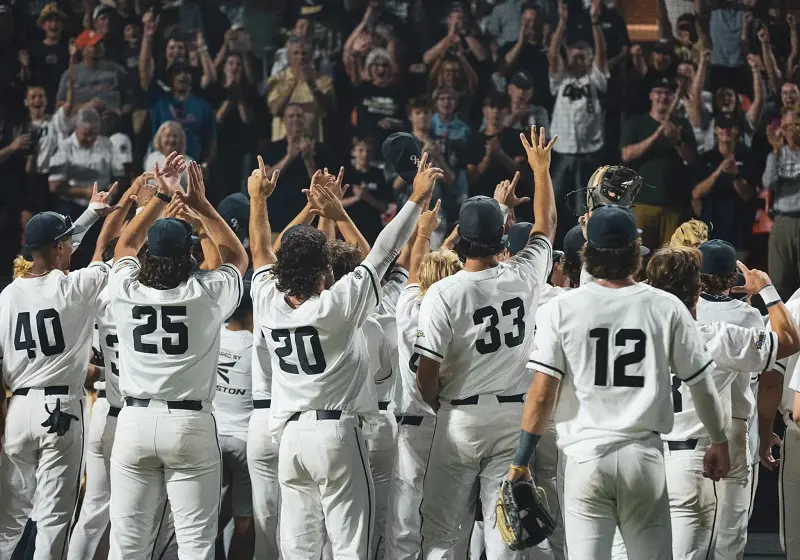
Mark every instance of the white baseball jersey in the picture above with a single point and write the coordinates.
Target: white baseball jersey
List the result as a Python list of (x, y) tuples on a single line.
[(385, 315), (409, 400), (320, 359), (262, 366), (46, 327), (734, 350), (108, 340), (614, 363), (550, 292), (380, 359), (712, 308), (479, 325), (169, 339), (233, 402), (792, 363)]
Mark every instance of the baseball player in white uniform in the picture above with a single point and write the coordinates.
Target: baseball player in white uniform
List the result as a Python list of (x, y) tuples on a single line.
[(322, 394), (233, 405), (718, 274), (168, 321), (607, 375), (45, 343), (415, 418), (473, 338), (734, 349)]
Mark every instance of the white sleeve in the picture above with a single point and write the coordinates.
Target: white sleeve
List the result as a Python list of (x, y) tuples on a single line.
[(262, 278), (548, 352), (86, 221), (357, 294), (689, 361), (598, 78), (556, 80), (391, 290), (535, 260), (384, 373), (434, 331), (224, 285), (124, 270), (742, 349), (392, 238), (406, 299), (87, 283), (708, 406), (63, 125)]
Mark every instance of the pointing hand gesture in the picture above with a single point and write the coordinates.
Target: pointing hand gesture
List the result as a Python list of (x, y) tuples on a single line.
[(504, 193), (754, 280), (325, 203), (258, 185), (539, 154), (426, 177), (429, 220)]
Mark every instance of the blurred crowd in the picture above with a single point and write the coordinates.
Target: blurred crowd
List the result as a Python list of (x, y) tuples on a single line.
[(99, 91)]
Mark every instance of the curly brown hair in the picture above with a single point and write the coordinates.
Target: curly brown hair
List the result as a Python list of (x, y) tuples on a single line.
[(165, 273), (613, 264), (344, 258), (677, 270), (718, 283), (571, 270), (303, 260)]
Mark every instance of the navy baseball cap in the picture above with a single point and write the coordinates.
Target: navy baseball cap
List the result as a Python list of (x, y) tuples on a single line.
[(517, 237), (611, 227), (401, 151), (573, 244), (45, 228), (169, 237), (235, 210), (481, 220), (719, 257)]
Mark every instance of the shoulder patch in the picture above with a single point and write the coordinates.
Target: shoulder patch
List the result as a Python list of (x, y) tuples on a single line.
[(759, 339), (358, 274), (420, 334)]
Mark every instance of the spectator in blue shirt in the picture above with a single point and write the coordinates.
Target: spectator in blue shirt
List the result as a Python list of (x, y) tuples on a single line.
[(191, 111)]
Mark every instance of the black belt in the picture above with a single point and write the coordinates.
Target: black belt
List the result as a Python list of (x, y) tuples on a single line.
[(321, 415), (410, 420), (101, 394), (383, 405), (172, 405), (113, 411), (262, 403), (682, 445), (52, 390), (500, 398)]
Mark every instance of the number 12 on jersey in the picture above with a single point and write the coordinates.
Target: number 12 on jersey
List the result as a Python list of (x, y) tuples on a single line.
[(601, 362)]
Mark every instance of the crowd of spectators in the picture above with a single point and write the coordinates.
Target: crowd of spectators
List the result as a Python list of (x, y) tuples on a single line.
[(100, 90)]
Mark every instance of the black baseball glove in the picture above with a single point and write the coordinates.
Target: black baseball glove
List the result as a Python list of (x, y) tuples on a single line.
[(613, 184), (522, 515), (58, 420)]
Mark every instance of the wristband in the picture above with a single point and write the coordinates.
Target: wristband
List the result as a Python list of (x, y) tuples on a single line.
[(505, 210), (527, 444), (770, 295), (163, 197)]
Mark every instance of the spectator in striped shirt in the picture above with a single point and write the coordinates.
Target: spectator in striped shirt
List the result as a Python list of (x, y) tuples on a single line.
[(82, 159)]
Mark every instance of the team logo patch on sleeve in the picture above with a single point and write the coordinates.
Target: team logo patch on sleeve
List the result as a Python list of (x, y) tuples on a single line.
[(358, 274), (759, 339), (420, 334)]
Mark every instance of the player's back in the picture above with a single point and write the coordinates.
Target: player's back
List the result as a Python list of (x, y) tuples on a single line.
[(169, 339), (108, 340), (485, 321), (233, 401), (380, 359), (616, 347), (47, 325)]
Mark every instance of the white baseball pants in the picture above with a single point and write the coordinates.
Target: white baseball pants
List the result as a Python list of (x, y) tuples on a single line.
[(262, 462), (624, 488), (472, 443), (326, 484), (733, 496), (156, 449), (692, 502), (42, 469), (789, 492), (95, 515), (382, 446), (403, 538), (545, 474)]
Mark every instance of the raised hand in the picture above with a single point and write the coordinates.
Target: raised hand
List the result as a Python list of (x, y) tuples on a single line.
[(504, 193), (775, 137), (729, 166), (763, 35), (539, 155), (195, 195), (258, 185), (150, 23), (168, 176), (451, 240), (100, 200), (429, 220), (425, 179), (325, 203), (754, 280), (190, 217)]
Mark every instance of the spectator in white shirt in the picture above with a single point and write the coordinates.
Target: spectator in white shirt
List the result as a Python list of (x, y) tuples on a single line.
[(577, 114)]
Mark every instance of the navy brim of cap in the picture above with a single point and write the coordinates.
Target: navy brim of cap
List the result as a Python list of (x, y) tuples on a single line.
[(74, 230)]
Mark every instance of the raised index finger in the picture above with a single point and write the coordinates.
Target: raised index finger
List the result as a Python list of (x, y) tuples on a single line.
[(423, 162), (742, 267), (514, 181), (261, 167)]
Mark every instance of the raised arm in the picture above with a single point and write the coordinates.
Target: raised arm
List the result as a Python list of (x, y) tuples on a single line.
[(209, 77), (554, 52), (115, 217), (230, 248), (600, 50), (664, 25), (212, 259), (427, 224), (150, 24), (754, 112), (544, 201), (259, 187), (794, 40), (694, 103)]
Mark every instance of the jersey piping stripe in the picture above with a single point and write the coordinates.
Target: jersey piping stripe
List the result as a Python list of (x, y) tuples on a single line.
[(779, 366), (119, 264), (238, 282), (369, 489), (424, 477), (772, 345), (698, 372), (548, 366), (710, 549), (429, 351), (374, 283), (782, 493), (401, 272), (74, 521), (260, 272)]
